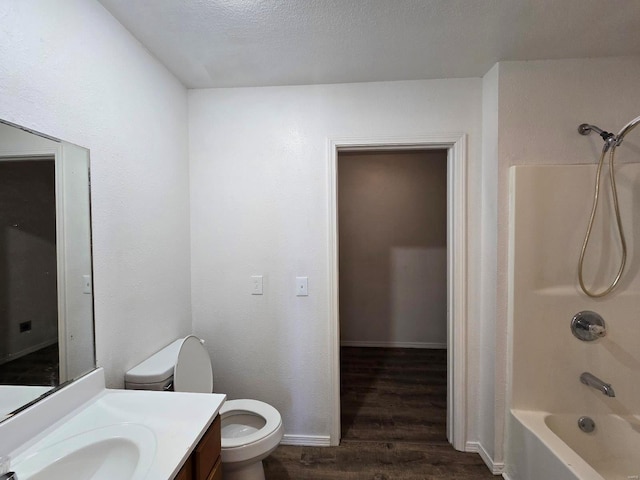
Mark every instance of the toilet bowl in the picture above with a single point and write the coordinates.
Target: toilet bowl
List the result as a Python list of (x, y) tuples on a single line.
[(251, 429)]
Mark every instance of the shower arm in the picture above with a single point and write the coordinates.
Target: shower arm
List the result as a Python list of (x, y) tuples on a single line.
[(609, 138), (585, 129)]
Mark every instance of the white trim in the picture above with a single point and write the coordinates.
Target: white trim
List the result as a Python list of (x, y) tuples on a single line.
[(496, 468), (426, 345), (306, 440), (457, 293), (334, 326), (506, 476), (61, 248), (455, 143)]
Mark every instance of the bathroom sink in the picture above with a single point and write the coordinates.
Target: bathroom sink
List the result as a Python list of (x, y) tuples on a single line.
[(124, 451), (88, 432)]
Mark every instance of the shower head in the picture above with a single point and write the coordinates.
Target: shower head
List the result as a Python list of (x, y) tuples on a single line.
[(611, 142), (626, 129)]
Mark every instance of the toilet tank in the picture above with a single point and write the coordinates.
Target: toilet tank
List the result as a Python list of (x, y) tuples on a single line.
[(156, 372)]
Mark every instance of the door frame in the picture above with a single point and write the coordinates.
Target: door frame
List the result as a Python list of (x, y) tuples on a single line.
[(456, 146)]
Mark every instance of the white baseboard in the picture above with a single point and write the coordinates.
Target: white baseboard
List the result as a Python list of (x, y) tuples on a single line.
[(306, 440), (505, 476), (497, 468), (355, 343)]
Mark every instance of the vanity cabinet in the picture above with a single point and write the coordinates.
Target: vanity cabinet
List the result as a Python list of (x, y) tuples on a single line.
[(205, 462)]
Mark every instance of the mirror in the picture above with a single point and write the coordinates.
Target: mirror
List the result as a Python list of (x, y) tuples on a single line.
[(46, 300)]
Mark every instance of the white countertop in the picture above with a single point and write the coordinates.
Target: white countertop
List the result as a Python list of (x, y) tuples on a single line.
[(178, 421)]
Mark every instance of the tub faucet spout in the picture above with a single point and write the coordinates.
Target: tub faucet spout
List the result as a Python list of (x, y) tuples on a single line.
[(593, 381)]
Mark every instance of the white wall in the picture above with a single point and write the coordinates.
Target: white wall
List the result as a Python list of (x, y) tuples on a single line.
[(541, 104), (70, 70), (392, 224), (259, 195)]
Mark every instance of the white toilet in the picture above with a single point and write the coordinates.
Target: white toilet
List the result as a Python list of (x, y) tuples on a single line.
[(251, 429)]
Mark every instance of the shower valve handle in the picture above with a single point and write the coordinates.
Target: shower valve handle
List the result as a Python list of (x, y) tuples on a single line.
[(588, 326)]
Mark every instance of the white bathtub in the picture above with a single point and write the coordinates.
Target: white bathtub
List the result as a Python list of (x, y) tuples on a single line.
[(546, 446)]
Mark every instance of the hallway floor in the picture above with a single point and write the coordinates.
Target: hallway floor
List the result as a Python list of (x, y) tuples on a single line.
[(37, 368), (394, 405)]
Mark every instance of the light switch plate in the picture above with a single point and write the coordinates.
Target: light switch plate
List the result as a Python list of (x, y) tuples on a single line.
[(256, 285), (302, 284)]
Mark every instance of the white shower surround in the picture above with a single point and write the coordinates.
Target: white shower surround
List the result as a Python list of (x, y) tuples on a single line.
[(550, 206), (531, 117)]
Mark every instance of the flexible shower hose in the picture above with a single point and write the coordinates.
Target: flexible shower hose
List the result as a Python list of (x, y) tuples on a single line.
[(623, 242)]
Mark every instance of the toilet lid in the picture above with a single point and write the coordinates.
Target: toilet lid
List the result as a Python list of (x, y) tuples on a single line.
[(192, 372)]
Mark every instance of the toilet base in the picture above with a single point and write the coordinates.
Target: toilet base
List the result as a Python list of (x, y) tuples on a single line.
[(252, 471)]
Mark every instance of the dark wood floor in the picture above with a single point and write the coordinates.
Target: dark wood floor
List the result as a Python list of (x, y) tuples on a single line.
[(394, 407), (37, 368)]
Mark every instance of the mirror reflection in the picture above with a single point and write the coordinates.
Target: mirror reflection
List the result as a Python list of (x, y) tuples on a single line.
[(46, 301)]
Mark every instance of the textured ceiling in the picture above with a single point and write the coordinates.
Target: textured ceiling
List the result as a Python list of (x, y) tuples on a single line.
[(222, 43)]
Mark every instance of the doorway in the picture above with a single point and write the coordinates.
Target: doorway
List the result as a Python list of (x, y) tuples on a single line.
[(392, 229), (29, 296), (455, 146)]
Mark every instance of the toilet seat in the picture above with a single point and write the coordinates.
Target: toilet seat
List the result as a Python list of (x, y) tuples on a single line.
[(273, 421)]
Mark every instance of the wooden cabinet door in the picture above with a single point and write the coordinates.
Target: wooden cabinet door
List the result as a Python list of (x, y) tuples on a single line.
[(207, 452), (186, 472), (216, 473)]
